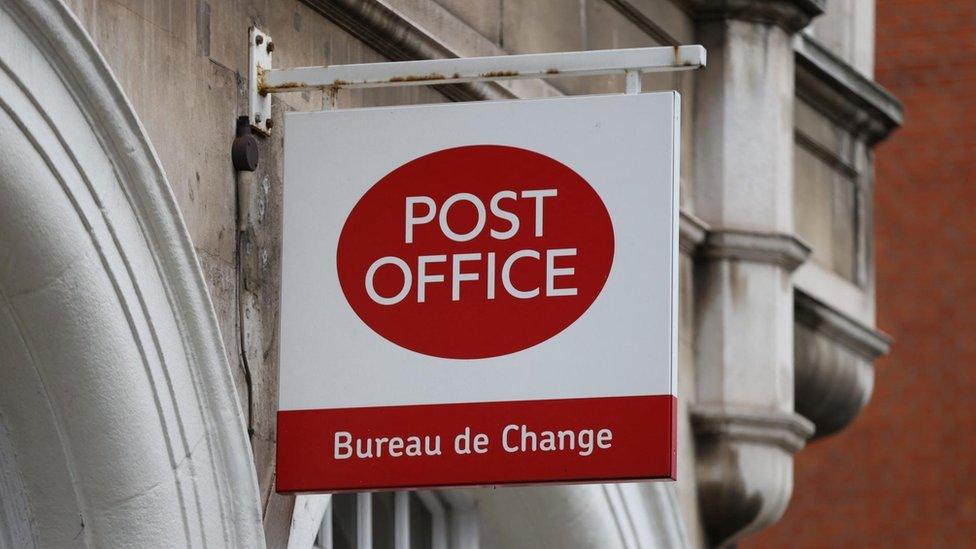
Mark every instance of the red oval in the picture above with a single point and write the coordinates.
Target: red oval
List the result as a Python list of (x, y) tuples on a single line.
[(475, 325)]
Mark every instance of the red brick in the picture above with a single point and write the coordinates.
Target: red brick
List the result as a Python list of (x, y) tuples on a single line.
[(904, 474)]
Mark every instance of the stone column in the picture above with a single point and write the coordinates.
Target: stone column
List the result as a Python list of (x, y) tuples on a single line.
[(745, 426)]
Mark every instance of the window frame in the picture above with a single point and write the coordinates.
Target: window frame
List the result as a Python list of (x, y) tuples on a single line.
[(319, 517)]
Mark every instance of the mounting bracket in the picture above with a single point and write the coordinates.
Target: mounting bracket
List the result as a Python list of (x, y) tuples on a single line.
[(259, 50), (263, 80)]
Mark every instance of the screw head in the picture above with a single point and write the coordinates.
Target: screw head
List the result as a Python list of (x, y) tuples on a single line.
[(259, 39), (269, 123), (257, 118), (270, 47)]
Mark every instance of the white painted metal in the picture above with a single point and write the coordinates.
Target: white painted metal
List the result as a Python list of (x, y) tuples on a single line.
[(401, 521), (364, 520), (478, 69), (263, 80), (325, 528), (634, 136), (259, 56), (633, 82)]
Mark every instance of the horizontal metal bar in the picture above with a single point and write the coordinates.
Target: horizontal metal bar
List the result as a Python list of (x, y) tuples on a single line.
[(476, 69)]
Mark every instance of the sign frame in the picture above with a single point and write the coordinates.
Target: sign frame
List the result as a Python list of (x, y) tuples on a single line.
[(287, 448)]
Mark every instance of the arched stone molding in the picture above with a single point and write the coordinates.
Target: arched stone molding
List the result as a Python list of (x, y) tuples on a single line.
[(122, 426)]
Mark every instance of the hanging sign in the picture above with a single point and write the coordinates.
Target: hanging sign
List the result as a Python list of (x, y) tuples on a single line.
[(479, 294)]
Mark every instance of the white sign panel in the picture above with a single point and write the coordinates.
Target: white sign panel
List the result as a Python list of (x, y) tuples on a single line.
[(479, 293)]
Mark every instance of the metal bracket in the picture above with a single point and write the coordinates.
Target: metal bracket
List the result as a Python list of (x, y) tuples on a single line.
[(264, 80), (259, 50)]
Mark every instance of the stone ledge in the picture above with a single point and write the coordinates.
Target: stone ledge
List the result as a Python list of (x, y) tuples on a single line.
[(867, 342), (787, 431), (744, 465), (792, 15), (835, 87), (833, 360), (786, 250)]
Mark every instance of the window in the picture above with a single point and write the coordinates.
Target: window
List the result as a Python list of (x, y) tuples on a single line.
[(383, 520), (827, 194)]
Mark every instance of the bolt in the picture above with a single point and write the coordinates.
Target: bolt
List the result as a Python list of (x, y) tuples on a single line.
[(269, 123), (270, 47), (257, 118), (258, 39)]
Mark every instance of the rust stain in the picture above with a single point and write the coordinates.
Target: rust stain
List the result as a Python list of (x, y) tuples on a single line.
[(456, 76), (677, 58), (262, 89), (418, 77), (499, 74), (552, 71)]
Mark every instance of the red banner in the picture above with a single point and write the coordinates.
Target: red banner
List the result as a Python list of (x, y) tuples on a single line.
[(522, 442)]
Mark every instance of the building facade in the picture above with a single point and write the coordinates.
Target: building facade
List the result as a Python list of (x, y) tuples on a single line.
[(901, 475), (139, 271)]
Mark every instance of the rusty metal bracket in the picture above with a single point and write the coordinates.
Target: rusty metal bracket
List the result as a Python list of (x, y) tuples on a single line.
[(259, 50), (265, 80)]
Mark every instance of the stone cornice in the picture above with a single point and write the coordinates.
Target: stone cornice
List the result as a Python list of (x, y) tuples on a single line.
[(404, 30), (645, 23), (862, 340), (786, 250), (397, 39), (786, 431), (833, 363), (792, 15), (839, 90), (693, 232), (744, 466)]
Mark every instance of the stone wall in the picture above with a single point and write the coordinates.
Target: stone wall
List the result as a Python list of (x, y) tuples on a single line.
[(901, 475)]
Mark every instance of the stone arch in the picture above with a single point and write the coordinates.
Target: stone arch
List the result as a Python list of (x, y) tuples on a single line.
[(119, 423)]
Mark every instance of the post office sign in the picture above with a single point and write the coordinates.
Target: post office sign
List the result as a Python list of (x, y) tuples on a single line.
[(479, 294)]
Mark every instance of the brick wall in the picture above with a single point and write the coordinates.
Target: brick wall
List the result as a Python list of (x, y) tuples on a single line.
[(905, 472)]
